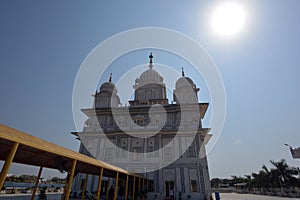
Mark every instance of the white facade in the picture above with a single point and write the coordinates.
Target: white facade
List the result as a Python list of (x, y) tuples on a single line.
[(173, 158)]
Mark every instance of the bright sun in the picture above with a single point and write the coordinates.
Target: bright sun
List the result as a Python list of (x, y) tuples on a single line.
[(228, 18)]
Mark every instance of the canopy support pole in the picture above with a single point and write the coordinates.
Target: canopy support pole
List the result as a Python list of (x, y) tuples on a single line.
[(126, 187), (84, 186), (133, 191), (7, 163), (139, 186), (70, 180), (36, 183), (116, 187), (99, 183)]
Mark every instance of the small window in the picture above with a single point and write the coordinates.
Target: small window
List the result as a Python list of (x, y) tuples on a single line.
[(150, 153), (137, 153), (191, 152), (168, 153), (150, 149), (109, 154), (194, 187)]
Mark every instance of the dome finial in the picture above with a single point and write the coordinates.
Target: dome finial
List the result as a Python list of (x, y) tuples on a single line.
[(110, 77), (182, 71), (150, 63)]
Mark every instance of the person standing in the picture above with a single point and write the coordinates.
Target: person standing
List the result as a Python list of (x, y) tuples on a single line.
[(171, 193)]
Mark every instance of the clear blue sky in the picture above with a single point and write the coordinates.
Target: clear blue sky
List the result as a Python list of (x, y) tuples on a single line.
[(43, 43)]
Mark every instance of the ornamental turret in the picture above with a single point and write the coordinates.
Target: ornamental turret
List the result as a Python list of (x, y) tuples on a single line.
[(107, 96), (185, 90)]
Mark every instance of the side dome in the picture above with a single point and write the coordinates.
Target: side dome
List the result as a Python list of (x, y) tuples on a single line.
[(107, 96), (185, 90), (185, 82), (108, 87)]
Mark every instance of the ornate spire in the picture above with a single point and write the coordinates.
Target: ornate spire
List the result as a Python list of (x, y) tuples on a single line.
[(110, 77), (182, 71), (150, 63)]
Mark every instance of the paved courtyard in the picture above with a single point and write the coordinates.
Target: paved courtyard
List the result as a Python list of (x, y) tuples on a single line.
[(234, 196)]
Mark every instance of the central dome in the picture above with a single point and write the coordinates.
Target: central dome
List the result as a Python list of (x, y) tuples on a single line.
[(149, 87), (150, 76)]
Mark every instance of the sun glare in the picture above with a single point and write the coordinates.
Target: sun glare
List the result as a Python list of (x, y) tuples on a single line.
[(228, 18)]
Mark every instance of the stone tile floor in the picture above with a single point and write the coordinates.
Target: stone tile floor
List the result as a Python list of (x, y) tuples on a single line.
[(234, 196)]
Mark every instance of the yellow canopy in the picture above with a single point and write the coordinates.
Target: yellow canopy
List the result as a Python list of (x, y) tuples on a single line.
[(38, 152)]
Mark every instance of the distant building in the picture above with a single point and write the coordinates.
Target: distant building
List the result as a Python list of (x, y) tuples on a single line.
[(108, 123), (295, 152)]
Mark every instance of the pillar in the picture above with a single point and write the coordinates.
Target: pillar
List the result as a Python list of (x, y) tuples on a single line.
[(70, 180), (116, 187), (7, 163), (36, 183), (126, 187), (84, 186), (99, 183)]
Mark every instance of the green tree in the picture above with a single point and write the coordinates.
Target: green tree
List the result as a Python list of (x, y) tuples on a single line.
[(262, 179), (283, 175), (215, 182), (249, 181)]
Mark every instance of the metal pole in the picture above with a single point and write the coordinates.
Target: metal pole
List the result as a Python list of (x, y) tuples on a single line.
[(7, 163), (69, 184), (116, 187), (36, 183), (84, 186), (133, 193), (126, 187), (99, 183)]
